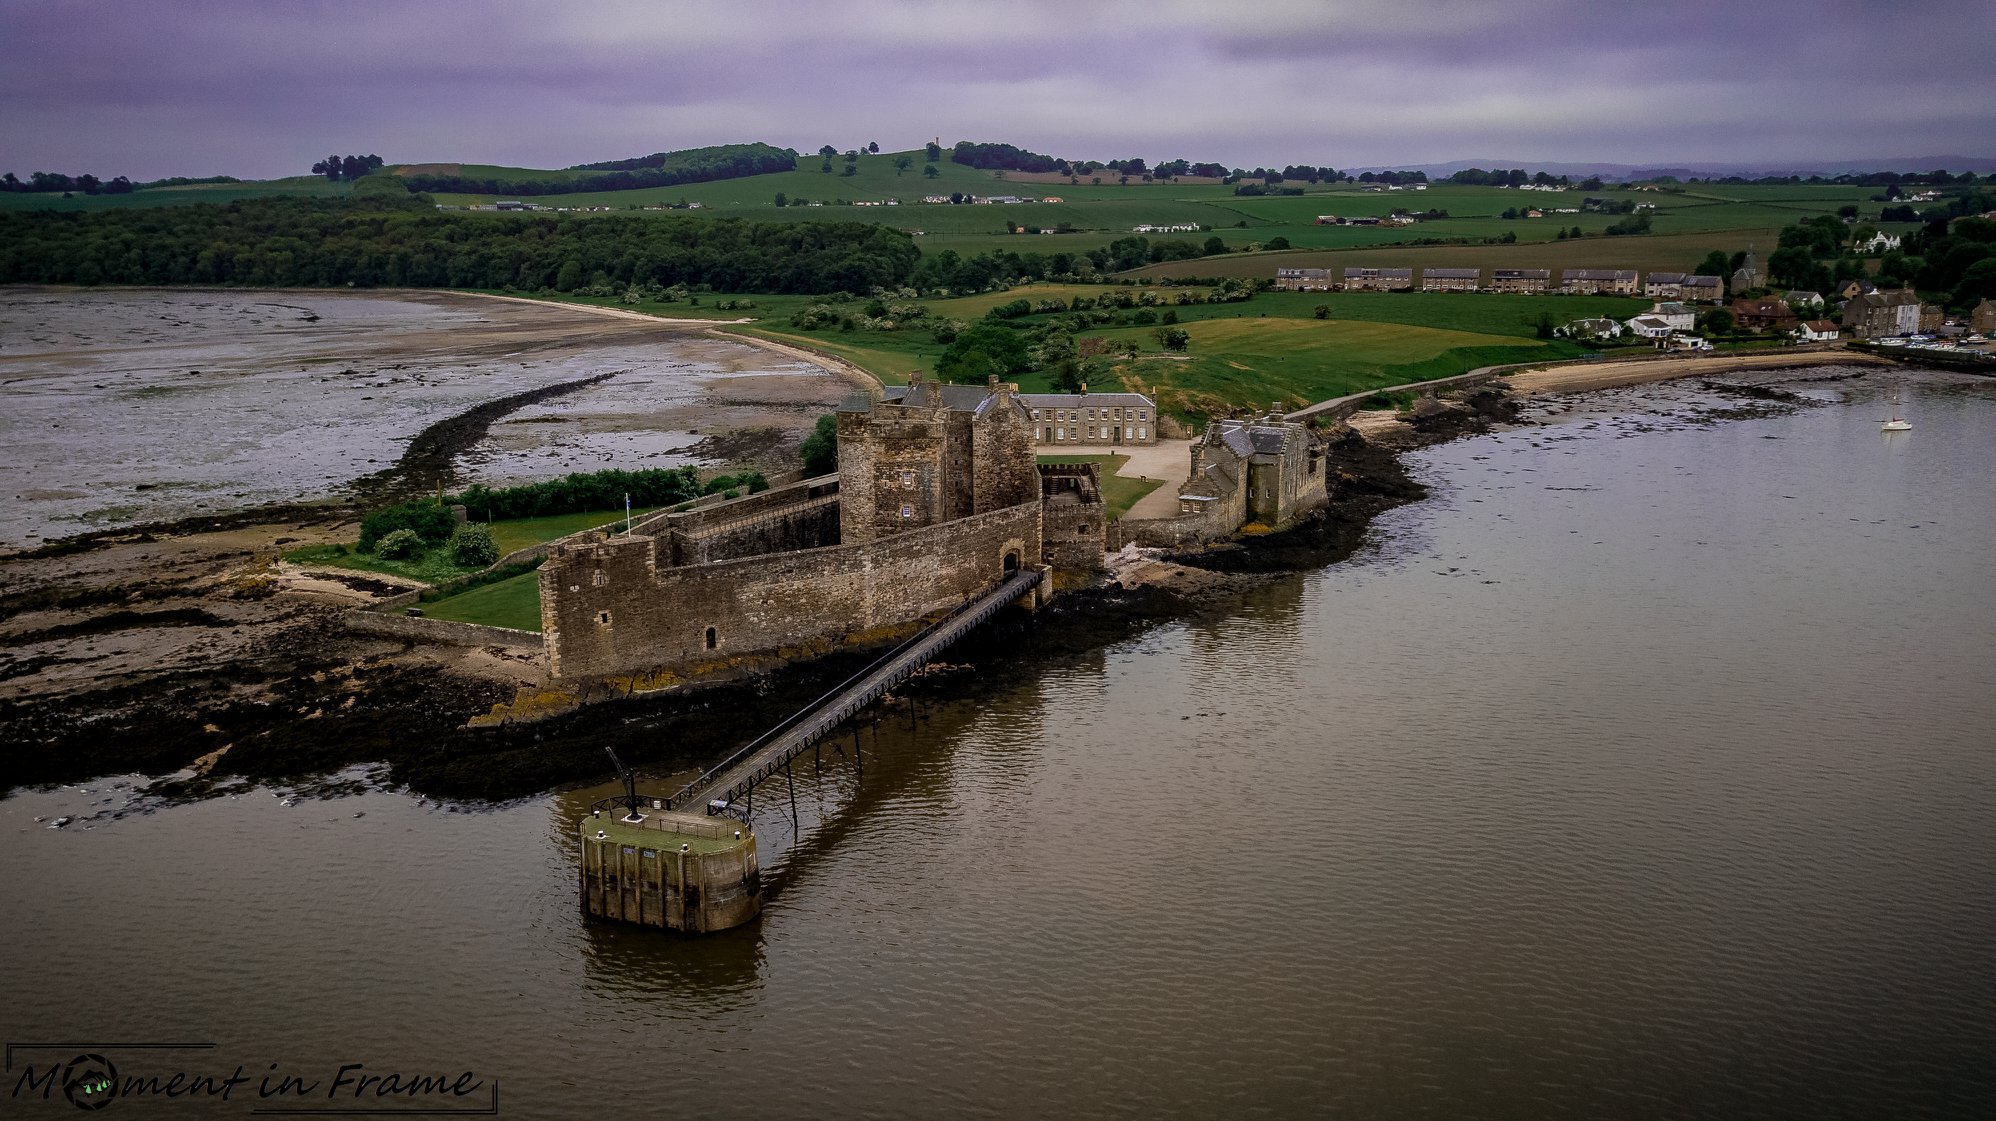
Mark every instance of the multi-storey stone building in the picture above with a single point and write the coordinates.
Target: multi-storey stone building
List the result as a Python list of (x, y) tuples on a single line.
[(1528, 281), (1451, 280), (1883, 314), (1304, 280), (1065, 420), (1697, 289), (1378, 280), (1589, 282)]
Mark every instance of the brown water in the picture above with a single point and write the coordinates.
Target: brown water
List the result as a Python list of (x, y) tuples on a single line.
[(1647, 770)]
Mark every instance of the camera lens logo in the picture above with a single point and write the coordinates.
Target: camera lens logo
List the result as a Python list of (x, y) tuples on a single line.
[(90, 1082)]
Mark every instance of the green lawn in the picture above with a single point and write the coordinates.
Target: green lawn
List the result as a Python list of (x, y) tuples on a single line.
[(513, 602), (434, 566), (1118, 493)]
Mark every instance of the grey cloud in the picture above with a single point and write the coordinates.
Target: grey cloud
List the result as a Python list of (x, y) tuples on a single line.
[(206, 86)]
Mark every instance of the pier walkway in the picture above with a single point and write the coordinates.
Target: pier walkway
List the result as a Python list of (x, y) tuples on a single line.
[(735, 776)]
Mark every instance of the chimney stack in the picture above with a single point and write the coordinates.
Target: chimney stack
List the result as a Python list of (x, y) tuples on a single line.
[(1084, 389)]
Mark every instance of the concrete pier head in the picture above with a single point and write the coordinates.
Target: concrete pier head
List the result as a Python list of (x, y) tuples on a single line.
[(677, 871)]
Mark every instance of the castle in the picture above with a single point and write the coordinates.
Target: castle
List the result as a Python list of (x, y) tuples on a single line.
[(938, 498)]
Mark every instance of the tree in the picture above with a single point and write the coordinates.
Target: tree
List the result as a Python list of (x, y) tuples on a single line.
[(929, 171), (1718, 321), (1277, 242), (984, 349), (1714, 264), (902, 164), (782, 199), (1321, 311), (932, 151), (1174, 338), (1213, 246), (851, 169), (1068, 376), (821, 447), (570, 276), (828, 151), (873, 148)]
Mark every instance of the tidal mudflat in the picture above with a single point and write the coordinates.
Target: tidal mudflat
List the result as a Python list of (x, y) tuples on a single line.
[(138, 406)]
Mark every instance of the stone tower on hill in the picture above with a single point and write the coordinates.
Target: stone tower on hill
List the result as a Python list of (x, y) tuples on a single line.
[(931, 453)]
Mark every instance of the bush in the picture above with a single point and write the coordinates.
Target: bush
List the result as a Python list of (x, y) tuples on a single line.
[(574, 494), (398, 544), (753, 480), (428, 522), (472, 546), (821, 447)]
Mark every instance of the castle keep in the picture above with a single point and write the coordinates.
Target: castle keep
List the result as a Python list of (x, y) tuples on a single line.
[(937, 499)]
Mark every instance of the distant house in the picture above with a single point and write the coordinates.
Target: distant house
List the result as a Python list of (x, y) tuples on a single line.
[(1680, 316), (1931, 318), (1664, 285), (1880, 242), (1885, 314), (1378, 280), (1817, 331), (1181, 228), (1590, 329), (1304, 280), (1067, 419), (1589, 282), (1327, 219), (1651, 327), (1802, 297), (1702, 289), (1451, 280), (1851, 289), (1764, 314), (1983, 319), (1520, 280)]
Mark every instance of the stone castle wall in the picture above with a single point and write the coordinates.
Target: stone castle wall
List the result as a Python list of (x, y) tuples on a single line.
[(611, 607)]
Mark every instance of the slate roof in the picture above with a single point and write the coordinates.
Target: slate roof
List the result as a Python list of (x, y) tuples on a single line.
[(1453, 274), (1086, 400), (1666, 278)]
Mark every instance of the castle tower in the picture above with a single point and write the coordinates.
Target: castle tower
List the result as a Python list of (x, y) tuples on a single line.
[(932, 453)]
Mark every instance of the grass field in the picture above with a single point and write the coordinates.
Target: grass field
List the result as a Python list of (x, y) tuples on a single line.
[(513, 602), (1300, 361), (1118, 493)]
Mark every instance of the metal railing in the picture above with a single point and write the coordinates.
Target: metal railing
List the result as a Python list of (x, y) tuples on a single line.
[(852, 694)]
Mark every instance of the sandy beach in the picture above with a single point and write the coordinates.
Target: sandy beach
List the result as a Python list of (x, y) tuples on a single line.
[(1578, 377)]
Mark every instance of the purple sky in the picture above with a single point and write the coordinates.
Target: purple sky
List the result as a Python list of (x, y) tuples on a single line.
[(260, 88)]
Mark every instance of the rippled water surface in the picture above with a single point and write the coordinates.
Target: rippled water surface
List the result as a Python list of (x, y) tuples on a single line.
[(1646, 770)]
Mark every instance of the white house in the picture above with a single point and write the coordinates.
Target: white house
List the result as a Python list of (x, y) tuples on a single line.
[(1681, 317), (1651, 327), (1880, 242), (1817, 331)]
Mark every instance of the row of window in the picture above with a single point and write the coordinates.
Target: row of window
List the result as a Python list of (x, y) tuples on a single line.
[(1103, 432), (1106, 414)]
